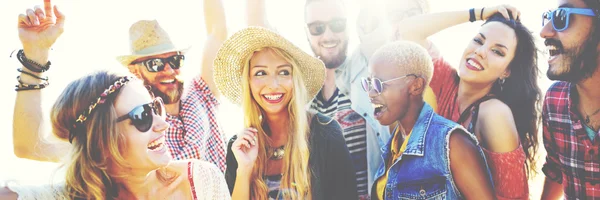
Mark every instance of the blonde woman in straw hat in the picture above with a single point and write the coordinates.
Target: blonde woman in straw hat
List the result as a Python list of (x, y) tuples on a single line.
[(341, 96), (284, 152), (194, 132), (115, 127)]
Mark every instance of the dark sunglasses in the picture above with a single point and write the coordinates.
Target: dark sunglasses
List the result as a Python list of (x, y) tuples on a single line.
[(158, 64), (560, 17), (142, 116), (377, 84), (317, 28)]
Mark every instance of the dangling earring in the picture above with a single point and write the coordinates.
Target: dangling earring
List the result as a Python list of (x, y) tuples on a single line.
[(501, 81)]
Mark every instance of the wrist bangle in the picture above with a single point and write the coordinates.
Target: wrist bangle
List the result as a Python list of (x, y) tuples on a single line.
[(472, 14), (481, 14)]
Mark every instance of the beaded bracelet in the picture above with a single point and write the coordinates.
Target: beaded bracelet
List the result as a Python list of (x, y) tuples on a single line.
[(23, 86)]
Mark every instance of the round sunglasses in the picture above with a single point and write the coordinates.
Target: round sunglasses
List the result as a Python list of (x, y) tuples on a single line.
[(158, 64), (375, 83), (317, 28), (142, 116), (560, 17)]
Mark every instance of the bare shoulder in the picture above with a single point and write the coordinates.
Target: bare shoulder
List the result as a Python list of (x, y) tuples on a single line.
[(7, 194), (496, 127), (461, 141), (179, 165)]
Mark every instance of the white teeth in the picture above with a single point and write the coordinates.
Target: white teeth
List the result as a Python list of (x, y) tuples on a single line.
[(168, 81), (154, 145), (474, 64), (377, 106), (552, 47), (331, 45), (273, 97)]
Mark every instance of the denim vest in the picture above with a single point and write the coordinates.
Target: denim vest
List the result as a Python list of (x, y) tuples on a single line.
[(420, 175)]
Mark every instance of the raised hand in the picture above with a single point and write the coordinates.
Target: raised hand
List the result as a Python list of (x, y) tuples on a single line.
[(39, 28), (502, 9), (245, 149)]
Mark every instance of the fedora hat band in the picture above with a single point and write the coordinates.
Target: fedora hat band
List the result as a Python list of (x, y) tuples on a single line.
[(165, 47)]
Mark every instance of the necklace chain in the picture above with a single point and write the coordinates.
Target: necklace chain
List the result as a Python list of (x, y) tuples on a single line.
[(587, 117)]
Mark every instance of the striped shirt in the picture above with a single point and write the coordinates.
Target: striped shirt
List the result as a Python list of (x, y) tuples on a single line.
[(354, 130)]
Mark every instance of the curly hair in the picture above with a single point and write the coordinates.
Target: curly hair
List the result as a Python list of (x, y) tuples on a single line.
[(520, 91)]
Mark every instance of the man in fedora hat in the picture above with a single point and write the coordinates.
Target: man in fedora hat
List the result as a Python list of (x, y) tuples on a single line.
[(194, 132)]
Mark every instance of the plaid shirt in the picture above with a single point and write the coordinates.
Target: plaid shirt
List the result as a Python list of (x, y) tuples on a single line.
[(573, 159), (195, 134)]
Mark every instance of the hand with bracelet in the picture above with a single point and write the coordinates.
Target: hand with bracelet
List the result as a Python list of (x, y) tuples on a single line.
[(498, 63), (38, 30)]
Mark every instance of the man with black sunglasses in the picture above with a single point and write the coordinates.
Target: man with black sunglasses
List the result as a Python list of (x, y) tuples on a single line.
[(571, 111), (342, 97), (194, 131)]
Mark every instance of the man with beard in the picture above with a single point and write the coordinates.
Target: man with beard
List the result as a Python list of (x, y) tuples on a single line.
[(571, 111), (194, 132), (342, 97)]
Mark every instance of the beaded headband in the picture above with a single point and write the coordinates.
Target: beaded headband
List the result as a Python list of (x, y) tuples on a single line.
[(100, 100)]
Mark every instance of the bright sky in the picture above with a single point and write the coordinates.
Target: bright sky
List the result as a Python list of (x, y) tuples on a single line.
[(97, 31)]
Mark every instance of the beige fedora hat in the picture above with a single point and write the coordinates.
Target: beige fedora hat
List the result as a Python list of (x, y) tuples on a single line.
[(147, 38), (231, 58)]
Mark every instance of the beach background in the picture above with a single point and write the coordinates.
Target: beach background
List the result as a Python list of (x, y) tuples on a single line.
[(97, 31)]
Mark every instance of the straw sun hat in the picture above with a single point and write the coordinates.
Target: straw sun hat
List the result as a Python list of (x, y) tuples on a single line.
[(147, 38), (231, 58)]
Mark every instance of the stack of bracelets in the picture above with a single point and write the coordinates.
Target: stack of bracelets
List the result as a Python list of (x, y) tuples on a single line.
[(34, 67)]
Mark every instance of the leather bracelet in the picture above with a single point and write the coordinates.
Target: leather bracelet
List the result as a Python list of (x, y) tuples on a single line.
[(472, 14), (32, 75), (30, 64), (481, 14)]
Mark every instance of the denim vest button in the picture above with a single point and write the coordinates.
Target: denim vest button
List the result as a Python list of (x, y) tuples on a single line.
[(388, 191)]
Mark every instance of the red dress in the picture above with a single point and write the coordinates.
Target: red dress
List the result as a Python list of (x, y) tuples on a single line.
[(507, 169)]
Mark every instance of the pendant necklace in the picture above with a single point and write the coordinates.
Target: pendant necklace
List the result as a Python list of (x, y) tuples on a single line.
[(277, 153)]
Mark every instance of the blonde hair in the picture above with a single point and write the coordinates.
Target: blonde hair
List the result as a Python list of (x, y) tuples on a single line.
[(97, 142), (296, 175), (409, 57)]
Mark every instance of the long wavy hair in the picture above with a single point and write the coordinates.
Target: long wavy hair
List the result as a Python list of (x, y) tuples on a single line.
[(97, 145), (296, 172), (520, 90)]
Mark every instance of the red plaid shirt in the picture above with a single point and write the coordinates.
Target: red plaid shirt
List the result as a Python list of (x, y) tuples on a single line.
[(573, 159), (195, 134)]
